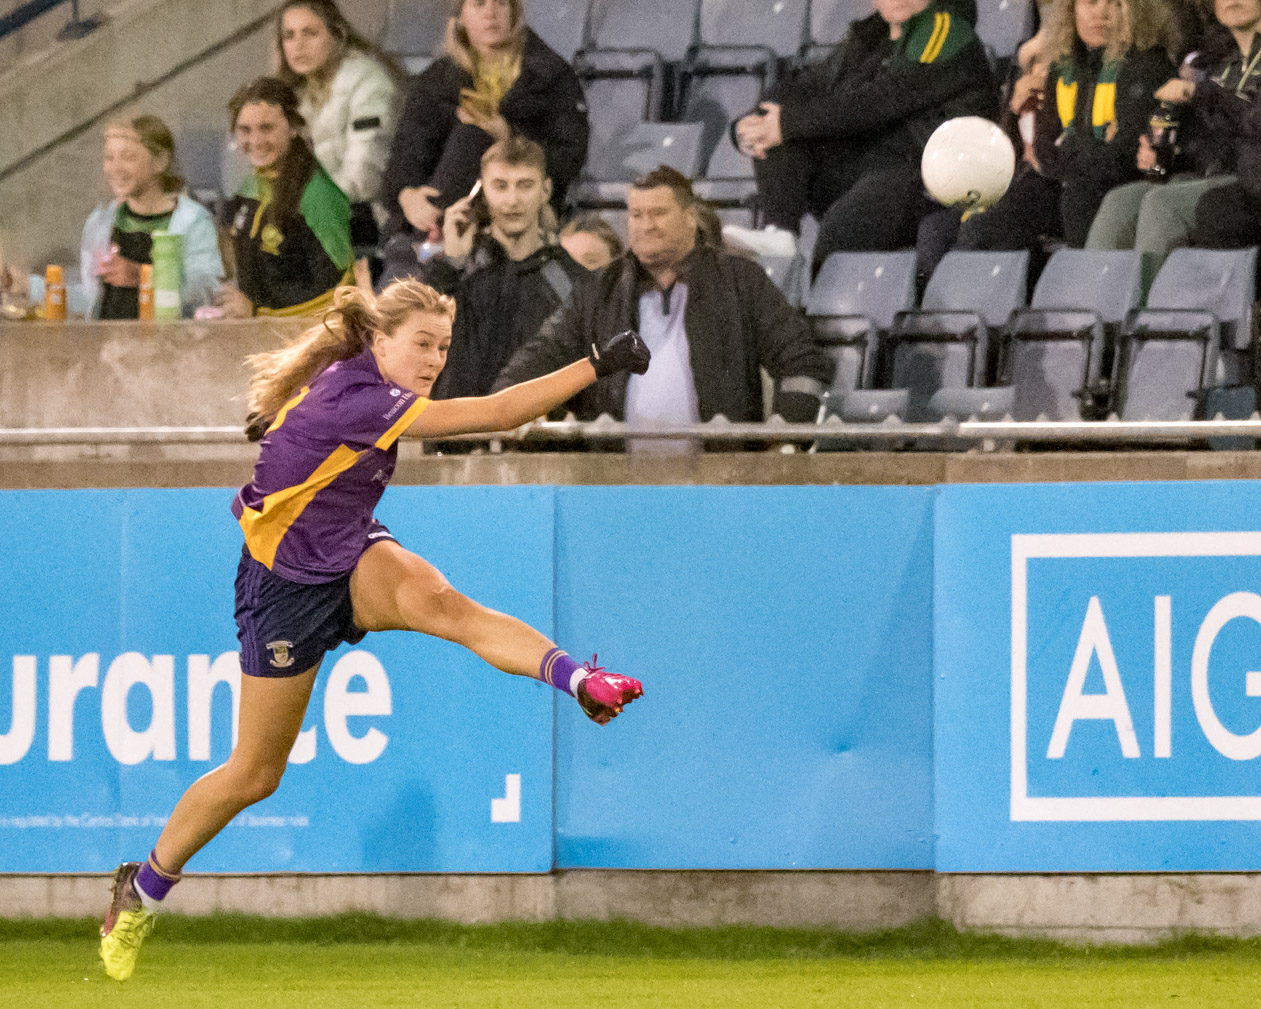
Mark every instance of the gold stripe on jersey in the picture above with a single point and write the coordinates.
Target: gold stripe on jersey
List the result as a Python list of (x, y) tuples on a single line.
[(284, 410), (402, 424), (266, 527)]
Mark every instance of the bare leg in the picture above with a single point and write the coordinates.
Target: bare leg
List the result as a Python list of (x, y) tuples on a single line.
[(393, 589), (271, 716)]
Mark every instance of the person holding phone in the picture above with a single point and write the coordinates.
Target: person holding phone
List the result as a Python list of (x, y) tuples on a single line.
[(501, 265), (495, 79)]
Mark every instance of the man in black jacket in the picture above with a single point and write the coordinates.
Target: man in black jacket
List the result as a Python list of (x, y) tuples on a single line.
[(506, 278), (843, 139), (712, 320)]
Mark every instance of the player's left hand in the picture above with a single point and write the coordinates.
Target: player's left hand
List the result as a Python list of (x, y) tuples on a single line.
[(624, 352), (602, 695)]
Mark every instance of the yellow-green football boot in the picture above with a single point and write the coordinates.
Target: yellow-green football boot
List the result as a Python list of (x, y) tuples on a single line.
[(126, 924)]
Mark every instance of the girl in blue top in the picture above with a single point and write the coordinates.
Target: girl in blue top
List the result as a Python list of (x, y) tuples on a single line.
[(318, 570), (118, 236)]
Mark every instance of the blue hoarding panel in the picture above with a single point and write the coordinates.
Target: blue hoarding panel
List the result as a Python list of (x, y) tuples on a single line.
[(416, 756), (1098, 698), (783, 636)]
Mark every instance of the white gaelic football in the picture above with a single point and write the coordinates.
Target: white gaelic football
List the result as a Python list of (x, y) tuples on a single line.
[(968, 162)]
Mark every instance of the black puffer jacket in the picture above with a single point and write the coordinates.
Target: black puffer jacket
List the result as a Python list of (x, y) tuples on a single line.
[(893, 94), (736, 322), (545, 104), (500, 305)]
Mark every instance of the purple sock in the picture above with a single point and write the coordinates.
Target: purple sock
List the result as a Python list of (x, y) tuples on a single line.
[(153, 884), (558, 670)]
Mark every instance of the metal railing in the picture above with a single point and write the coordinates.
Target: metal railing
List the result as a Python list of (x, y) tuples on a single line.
[(985, 434), (28, 12)]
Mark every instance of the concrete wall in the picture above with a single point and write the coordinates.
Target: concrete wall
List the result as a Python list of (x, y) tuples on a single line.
[(1094, 909)]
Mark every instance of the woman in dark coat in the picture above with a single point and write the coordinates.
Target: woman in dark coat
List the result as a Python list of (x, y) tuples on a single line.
[(1107, 60), (496, 77)]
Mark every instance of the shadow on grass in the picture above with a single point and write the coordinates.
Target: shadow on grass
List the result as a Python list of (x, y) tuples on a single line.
[(928, 939)]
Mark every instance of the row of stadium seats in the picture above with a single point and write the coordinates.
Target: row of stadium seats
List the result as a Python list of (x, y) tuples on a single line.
[(664, 79), (1086, 346)]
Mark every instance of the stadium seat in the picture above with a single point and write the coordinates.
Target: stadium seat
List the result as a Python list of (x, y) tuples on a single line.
[(1194, 334), (830, 20), (559, 23), (623, 67), (727, 72), (414, 30), (786, 273), (1055, 350), (855, 296), (641, 149), (945, 345), (1002, 25)]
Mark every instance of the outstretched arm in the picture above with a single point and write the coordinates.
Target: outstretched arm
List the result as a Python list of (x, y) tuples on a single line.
[(517, 404)]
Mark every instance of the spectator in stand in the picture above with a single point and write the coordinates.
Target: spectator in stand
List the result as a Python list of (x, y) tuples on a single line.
[(118, 236), (289, 223), (590, 240), (1229, 216), (348, 94), (711, 319), (1213, 95), (496, 78), (843, 139), (1107, 58), (507, 277)]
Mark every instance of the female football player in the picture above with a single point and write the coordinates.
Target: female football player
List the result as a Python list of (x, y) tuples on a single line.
[(317, 569)]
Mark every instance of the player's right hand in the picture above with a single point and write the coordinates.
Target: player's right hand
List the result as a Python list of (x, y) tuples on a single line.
[(624, 352), (602, 695)]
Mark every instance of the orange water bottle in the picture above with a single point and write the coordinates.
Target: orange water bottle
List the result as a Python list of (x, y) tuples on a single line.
[(54, 294), (146, 292)]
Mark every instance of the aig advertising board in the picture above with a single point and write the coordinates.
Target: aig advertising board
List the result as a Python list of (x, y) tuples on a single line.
[(1098, 677)]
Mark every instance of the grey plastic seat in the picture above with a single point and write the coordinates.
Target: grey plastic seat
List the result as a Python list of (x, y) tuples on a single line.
[(414, 29), (786, 273), (642, 148), (1055, 349), (1194, 334), (559, 23), (1002, 25), (780, 25), (622, 67), (830, 20), (945, 344), (855, 296)]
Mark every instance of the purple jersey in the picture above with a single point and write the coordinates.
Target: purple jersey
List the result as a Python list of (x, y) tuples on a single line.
[(322, 468)]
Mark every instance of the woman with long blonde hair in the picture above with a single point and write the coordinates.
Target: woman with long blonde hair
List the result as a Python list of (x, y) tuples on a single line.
[(1107, 58), (317, 569), (495, 77)]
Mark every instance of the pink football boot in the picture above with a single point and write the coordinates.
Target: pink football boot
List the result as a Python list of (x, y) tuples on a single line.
[(602, 694)]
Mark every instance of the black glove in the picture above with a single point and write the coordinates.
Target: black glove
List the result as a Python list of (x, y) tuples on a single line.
[(624, 352), (256, 426)]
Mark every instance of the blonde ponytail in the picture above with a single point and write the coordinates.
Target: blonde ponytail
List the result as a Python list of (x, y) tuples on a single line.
[(342, 333)]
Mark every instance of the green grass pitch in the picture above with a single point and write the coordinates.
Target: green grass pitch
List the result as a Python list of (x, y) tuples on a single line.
[(362, 961)]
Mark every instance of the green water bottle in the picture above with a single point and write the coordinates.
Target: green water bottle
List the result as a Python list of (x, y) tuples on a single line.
[(168, 262)]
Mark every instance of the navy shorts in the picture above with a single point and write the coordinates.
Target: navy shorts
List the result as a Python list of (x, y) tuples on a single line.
[(285, 627)]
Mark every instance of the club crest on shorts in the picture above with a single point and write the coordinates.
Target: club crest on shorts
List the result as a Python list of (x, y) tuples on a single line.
[(280, 657)]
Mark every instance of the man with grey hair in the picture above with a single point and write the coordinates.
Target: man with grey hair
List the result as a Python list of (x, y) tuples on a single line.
[(712, 321)]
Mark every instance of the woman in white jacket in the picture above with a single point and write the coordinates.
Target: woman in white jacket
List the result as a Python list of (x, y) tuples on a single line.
[(117, 238), (348, 94)]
